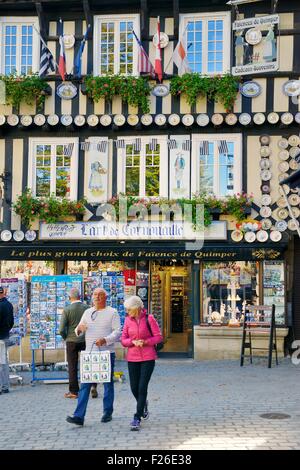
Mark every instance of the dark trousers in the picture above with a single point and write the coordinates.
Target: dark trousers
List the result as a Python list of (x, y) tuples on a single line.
[(73, 350), (139, 376)]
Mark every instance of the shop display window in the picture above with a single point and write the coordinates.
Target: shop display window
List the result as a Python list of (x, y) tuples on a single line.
[(26, 269), (274, 289)]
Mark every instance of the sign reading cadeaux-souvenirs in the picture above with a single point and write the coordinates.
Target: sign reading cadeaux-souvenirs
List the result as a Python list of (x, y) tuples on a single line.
[(49, 297), (179, 167), (256, 46), (97, 170)]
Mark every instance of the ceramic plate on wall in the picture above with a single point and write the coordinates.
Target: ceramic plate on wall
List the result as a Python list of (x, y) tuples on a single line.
[(250, 89), (30, 235), (275, 236), (259, 118), (283, 143), (294, 140), (283, 213), (265, 151), (294, 165), (265, 211), (53, 119), (292, 225), (283, 167), (253, 36), (202, 120), (2, 119), (294, 199), (262, 236), (297, 118), (266, 200), (265, 139), (237, 235), (281, 225), (291, 88), (79, 120), (146, 119), (174, 119), (265, 164), (188, 120), (287, 118), (250, 237), (265, 175), (26, 120), (66, 119), (273, 118), (294, 152), (284, 155), (282, 176), (281, 202), (231, 119), (18, 235), (39, 119), (217, 119), (6, 235), (284, 187), (119, 120), (105, 120), (13, 120), (266, 224), (133, 119), (160, 119), (244, 119), (296, 212), (265, 189)]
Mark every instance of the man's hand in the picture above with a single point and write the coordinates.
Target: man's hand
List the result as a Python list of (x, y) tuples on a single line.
[(101, 342), (81, 328)]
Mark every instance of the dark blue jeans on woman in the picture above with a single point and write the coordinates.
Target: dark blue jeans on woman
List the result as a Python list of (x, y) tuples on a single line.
[(108, 398)]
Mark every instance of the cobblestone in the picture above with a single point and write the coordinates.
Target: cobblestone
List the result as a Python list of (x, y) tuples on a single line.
[(193, 405)]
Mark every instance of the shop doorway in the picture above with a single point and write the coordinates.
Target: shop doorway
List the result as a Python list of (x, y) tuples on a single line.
[(169, 299)]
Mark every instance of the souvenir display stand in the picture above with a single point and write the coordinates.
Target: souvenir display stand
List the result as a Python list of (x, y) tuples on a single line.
[(49, 297)]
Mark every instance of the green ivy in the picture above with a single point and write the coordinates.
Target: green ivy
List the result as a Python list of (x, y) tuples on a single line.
[(220, 88), (134, 91), (28, 89)]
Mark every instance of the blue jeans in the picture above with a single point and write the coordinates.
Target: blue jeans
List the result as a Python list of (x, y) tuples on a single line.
[(108, 398)]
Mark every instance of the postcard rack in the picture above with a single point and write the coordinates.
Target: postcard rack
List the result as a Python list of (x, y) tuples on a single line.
[(259, 321)]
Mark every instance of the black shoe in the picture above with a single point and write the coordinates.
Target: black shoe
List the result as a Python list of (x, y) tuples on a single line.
[(105, 418), (94, 392), (75, 420), (5, 391)]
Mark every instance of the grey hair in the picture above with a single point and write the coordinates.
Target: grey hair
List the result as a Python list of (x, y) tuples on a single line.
[(74, 293), (133, 302), (100, 289)]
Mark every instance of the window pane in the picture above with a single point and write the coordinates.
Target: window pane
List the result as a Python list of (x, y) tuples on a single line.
[(43, 182), (152, 171), (194, 43), (132, 171)]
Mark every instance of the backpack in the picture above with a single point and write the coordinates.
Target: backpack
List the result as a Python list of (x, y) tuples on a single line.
[(158, 346)]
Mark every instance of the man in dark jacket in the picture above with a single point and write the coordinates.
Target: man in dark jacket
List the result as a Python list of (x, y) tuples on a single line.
[(6, 324), (70, 319)]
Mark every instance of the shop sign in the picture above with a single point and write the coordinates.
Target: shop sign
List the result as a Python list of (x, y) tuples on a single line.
[(134, 230), (256, 47)]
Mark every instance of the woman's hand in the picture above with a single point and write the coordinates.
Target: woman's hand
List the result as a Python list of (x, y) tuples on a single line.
[(138, 343)]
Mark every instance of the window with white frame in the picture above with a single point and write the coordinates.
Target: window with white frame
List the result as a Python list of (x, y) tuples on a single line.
[(53, 167), (207, 37), (217, 164), (144, 168), (19, 45), (115, 49)]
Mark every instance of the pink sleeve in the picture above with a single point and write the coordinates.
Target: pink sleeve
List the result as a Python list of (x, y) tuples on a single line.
[(126, 341), (156, 334)]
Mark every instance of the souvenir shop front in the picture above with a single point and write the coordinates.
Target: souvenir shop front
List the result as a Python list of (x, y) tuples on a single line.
[(198, 297)]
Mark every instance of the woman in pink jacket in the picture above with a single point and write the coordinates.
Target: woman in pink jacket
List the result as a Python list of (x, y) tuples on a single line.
[(141, 354)]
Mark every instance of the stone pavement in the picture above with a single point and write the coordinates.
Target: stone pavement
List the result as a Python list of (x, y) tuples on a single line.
[(193, 405)]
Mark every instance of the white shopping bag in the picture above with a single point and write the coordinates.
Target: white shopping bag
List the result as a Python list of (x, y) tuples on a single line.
[(95, 366)]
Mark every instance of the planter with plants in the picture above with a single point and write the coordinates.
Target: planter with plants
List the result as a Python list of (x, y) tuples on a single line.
[(29, 89)]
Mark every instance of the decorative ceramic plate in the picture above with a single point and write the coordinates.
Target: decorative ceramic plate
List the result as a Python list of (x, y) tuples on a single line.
[(283, 143), (250, 237), (30, 235), (146, 119), (262, 236), (283, 166), (265, 189), (265, 151), (93, 120), (250, 89), (294, 200), (253, 36), (281, 225), (53, 119), (266, 200), (79, 120), (273, 118), (266, 224), (2, 119), (105, 120), (275, 236), (66, 119), (294, 165), (18, 235), (291, 88), (69, 41), (217, 119), (281, 202), (287, 118), (265, 212), (163, 39), (265, 164), (13, 120), (119, 120), (160, 90), (231, 119), (265, 139), (6, 235), (284, 155), (292, 225), (142, 292), (26, 120), (283, 213), (39, 119), (244, 119), (294, 152), (297, 118), (296, 212), (66, 91), (259, 118), (174, 119), (265, 175), (237, 235), (284, 187), (188, 120), (202, 120), (133, 119), (294, 140), (282, 177), (160, 119)]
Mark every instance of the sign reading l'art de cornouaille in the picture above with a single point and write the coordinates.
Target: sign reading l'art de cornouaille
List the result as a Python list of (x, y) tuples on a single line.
[(256, 45)]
